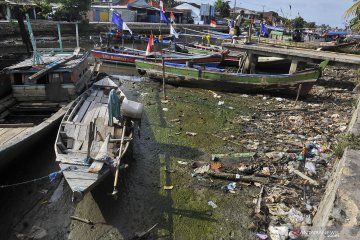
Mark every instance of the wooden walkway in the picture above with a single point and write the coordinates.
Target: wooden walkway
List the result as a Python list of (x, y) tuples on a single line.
[(302, 55)]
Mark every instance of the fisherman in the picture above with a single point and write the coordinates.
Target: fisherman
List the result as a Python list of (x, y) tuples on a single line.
[(238, 21)]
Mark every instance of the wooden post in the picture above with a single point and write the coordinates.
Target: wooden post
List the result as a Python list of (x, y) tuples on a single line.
[(298, 94), (77, 34), (163, 75), (293, 67)]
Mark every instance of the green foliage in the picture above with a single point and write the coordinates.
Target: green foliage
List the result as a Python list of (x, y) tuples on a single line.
[(298, 22), (310, 25), (344, 141), (44, 6), (354, 11), (222, 8), (71, 10)]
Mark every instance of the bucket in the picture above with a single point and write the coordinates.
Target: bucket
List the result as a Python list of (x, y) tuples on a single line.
[(131, 109)]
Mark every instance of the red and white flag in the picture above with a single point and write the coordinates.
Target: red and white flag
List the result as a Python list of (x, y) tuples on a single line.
[(150, 45), (212, 23), (162, 6), (172, 18)]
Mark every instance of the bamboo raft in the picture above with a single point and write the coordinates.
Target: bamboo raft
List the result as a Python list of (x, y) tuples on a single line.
[(86, 144)]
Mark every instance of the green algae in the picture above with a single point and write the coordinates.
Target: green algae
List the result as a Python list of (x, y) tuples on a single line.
[(189, 126)]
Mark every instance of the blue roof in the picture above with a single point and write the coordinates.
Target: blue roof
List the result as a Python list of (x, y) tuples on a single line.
[(336, 33)]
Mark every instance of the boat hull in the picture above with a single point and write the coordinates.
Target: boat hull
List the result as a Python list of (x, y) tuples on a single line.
[(285, 84), (24, 141), (129, 58)]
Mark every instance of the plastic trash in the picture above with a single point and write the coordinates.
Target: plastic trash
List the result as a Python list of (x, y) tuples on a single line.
[(310, 167), (279, 232), (295, 216), (262, 236), (220, 103), (230, 186), (212, 204), (294, 234)]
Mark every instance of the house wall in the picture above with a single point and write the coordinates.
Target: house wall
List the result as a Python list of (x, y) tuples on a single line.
[(195, 12)]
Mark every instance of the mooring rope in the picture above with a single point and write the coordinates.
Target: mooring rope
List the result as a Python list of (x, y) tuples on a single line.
[(52, 176)]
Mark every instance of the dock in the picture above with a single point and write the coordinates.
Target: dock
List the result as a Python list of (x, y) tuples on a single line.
[(296, 55)]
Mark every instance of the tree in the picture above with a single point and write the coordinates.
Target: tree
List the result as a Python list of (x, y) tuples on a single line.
[(71, 10), (222, 8), (298, 22), (354, 11), (310, 25)]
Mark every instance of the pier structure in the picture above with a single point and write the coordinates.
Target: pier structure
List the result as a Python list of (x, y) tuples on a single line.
[(298, 57)]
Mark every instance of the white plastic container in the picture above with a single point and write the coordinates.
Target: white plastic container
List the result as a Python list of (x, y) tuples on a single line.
[(131, 109)]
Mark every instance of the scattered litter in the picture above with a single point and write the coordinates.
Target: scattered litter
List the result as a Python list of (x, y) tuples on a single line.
[(175, 120), (191, 133), (165, 109), (310, 167), (168, 187), (278, 209), (182, 163), (279, 232), (294, 234), (215, 166), (212, 204), (164, 101), (279, 99), (220, 103), (262, 236), (202, 169), (295, 216), (231, 108), (230, 187)]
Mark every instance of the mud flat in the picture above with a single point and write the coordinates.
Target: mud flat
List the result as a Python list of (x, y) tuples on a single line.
[(171, 183)]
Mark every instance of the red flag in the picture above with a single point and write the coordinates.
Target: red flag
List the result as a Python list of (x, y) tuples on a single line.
[(212, 23), (150, 45), (172, 17)]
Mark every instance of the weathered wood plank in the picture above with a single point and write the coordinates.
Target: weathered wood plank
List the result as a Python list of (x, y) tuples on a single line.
[(82, 133), (80, 114)]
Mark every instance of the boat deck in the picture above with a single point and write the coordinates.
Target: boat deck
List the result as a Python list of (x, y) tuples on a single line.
[(8, 133), (76, 138)]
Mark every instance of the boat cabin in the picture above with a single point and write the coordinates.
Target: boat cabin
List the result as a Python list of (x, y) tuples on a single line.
[(58, 84)]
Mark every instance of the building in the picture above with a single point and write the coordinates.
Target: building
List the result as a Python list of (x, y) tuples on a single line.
[(199, 14), (247, 12)]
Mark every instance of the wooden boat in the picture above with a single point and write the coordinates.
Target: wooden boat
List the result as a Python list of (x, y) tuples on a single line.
[(218, 79), (232, 58), (86, 143), (38, 99), (128, 56)]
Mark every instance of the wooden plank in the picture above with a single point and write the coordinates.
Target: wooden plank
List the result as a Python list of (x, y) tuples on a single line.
[(80, 114), (77, 131), (104, 100), (8, 135), (102, 112), (100, 94), (70, 130), (82, 133), (97, 110), (16, 125), (89, 114), (77, 145), (3, 130)]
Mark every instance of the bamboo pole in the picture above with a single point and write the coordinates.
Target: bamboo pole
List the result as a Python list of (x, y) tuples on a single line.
[(119, 156)]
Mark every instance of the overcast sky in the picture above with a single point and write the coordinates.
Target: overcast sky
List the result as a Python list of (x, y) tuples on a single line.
[(320, 11)]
